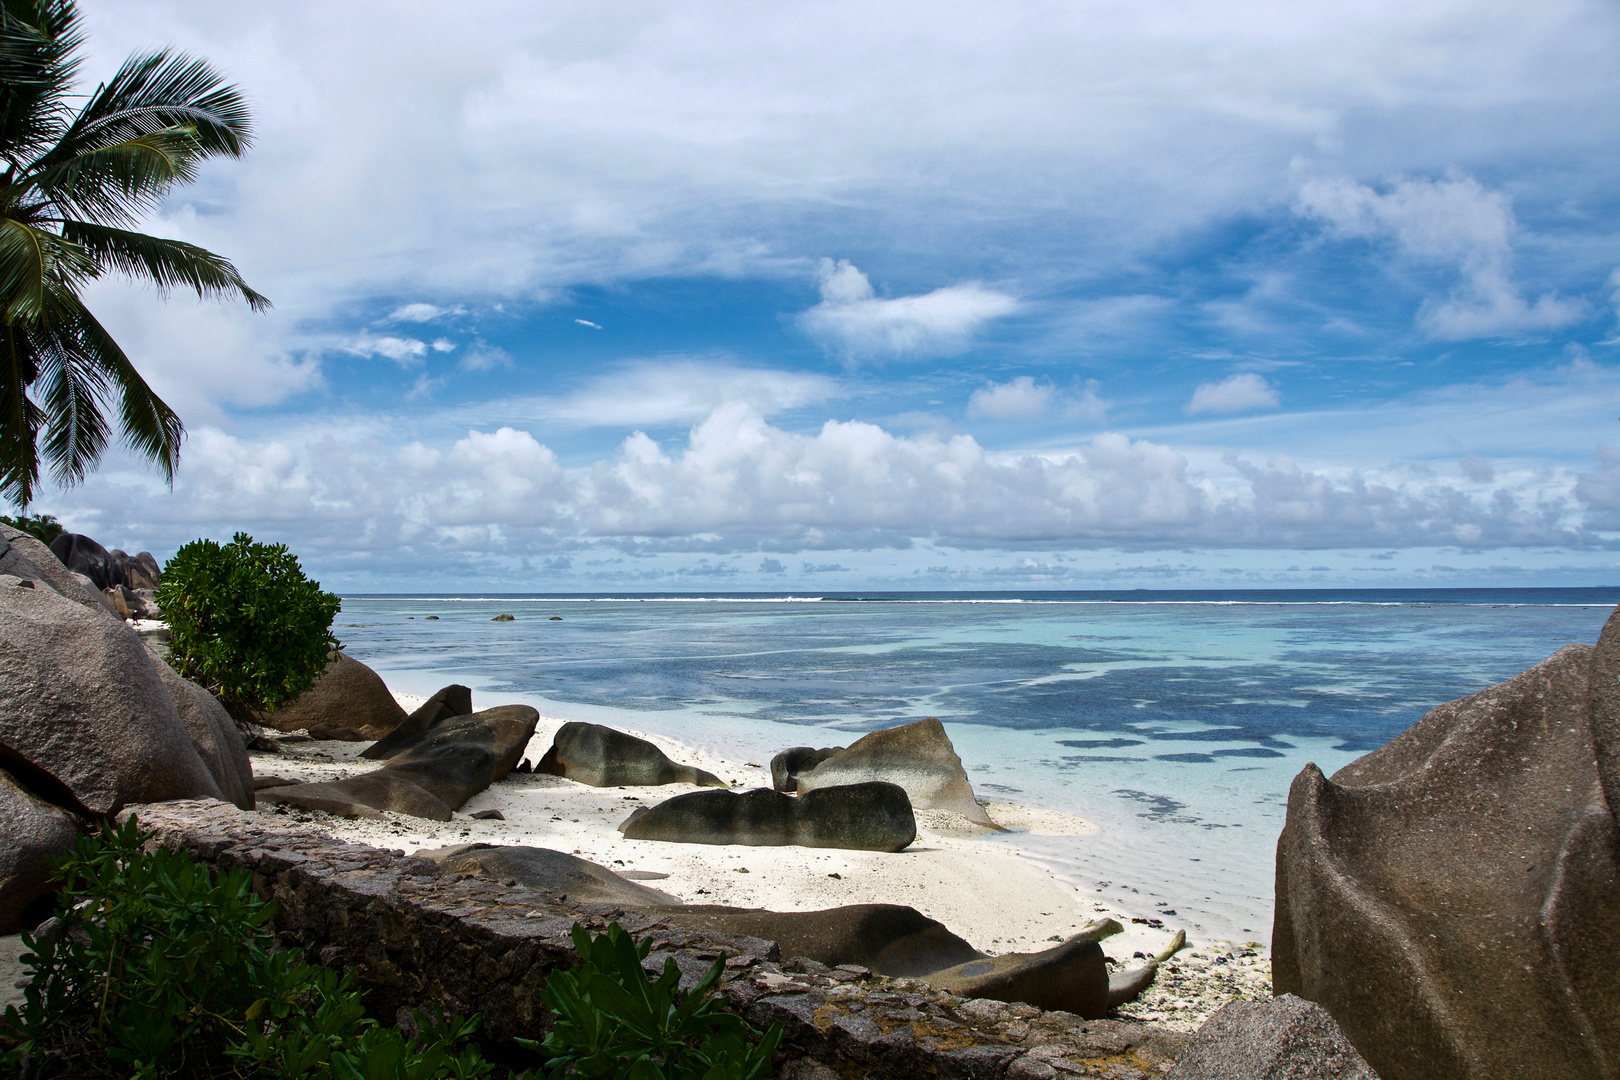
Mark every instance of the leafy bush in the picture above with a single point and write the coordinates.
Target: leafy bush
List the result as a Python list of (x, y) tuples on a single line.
[(42, 527), (612, 1021), (245, 622), (159, 969)]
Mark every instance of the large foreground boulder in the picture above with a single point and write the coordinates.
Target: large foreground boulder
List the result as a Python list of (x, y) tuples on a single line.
[(919, 757), (81, 700), (454, 700), (1453, 898), (1286, 1038), (215, 735), (432, 775), (348, 701), (872, 817), (34, 829), (602, 757)]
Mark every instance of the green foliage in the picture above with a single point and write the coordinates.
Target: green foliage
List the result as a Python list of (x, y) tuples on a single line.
[(245, 622), (612, 1021), (42, 527), (161, 969), (74, 184)]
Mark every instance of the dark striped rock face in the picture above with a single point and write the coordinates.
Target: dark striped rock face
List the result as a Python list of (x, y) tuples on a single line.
[(602, 757), (1453, 898), (871, 817)]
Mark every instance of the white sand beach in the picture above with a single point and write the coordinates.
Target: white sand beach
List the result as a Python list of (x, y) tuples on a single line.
[(971, 879)]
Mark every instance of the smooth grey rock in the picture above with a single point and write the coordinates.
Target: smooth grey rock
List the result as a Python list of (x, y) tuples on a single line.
[(23, 556), (1286, 1038), (919, 757), (215, 735), (348, 701), (550, 871), (454, 700), (83, 555), (31, 830), (1453, 898), (871, 817), (80, 698), (786, 766), (602, 757)]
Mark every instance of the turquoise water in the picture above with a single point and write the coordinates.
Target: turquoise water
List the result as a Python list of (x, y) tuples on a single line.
[(1174, 721)]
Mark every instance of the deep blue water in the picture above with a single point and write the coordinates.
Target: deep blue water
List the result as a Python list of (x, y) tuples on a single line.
[(1174, 719)]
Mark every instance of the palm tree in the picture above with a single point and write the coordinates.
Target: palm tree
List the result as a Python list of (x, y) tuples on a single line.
[(74, 186)]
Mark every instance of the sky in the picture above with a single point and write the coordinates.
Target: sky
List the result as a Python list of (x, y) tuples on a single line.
[(819, 297)]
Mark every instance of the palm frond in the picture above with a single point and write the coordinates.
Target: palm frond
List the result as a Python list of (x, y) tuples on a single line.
[(20, 418), (157, 92), (166, 263), (149, 426), (72, 386), (33, 262), (114, 183), (37, 41)]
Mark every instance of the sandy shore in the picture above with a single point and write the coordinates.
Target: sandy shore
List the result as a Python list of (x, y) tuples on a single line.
[(974, 881)]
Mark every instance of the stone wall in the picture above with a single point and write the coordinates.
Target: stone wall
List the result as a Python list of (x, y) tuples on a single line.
[(470, 944)]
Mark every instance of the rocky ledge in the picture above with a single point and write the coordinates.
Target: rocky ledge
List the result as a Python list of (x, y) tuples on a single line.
[(414, 936)]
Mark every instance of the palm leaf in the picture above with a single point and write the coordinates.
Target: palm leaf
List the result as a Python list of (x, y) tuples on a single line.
[(71, 388), (114, 183), (149, 426), (20, 418), (32, 262), (37, 41), (167, 263)]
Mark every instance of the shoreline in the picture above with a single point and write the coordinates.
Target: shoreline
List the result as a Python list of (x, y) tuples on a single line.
[(977, 883)]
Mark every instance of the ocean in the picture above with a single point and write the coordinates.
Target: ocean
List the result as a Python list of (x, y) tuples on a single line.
[(1172, 720)]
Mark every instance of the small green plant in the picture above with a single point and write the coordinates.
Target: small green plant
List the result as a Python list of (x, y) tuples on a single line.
[(160, 969), (612, 1021), (245, 622), (42, 527)]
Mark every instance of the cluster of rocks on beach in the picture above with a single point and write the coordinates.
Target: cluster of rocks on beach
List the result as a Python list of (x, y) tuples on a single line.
[(1447, 906)]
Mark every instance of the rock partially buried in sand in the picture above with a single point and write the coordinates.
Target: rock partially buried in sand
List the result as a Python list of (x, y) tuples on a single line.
[(870, 817), (919, 757), (786, 766), (1453, 898), (548, 871), (349, 701), (430, 776), (454, 700), (602, 757)]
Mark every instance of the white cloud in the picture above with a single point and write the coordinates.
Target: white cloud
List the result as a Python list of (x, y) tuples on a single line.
[(421, 313), (1021, 398), (851, 318), (680, 390), (1458, 222), (444, 345), (1244, 392), (588, 323), (482, 356), (406, 352)]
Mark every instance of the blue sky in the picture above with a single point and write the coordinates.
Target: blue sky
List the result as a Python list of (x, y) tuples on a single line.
[(710, 295)]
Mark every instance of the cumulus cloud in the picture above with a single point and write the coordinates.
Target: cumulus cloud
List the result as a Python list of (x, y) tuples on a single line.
[(1599, 492), (1244, 392), (406, 352), (422, 312), (1457, 222), (1021, 398), (853, 319), (676, 390), (482, 356)]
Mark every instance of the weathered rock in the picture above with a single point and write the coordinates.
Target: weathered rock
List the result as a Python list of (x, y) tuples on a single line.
[(453, 700), (31, 829), (141, 572), (80, 698), (348, 695), (889, 939), (1453, 898), (872, 816), (215, 735), (786, 766), (602, 757), (1286, 1038), (430, 776), (1072, 977), (1603, 706), (83, 555), (919, 757), (23, 556), (550, 872), (118, 599)]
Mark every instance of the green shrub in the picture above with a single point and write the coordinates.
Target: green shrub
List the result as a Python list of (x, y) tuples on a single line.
[(245, 622), (42, 527), (160, 969), (612, 1021)]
